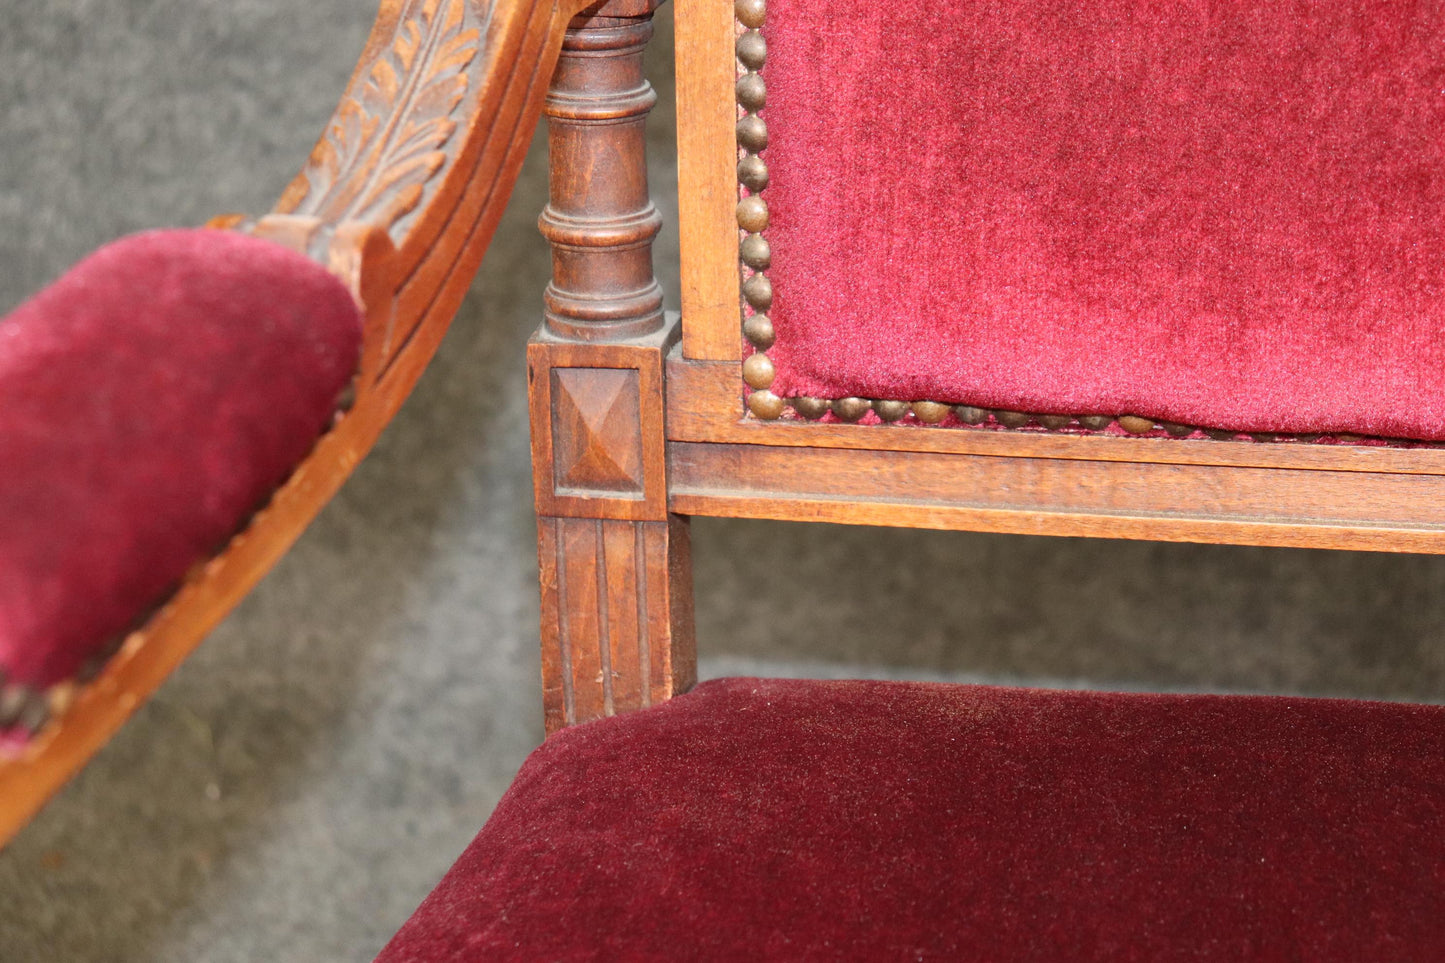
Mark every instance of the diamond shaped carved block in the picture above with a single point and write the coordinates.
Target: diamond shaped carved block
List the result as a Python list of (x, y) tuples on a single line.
[(596, 430)]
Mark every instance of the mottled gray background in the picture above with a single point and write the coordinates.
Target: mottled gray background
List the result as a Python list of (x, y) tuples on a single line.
[(295, 789)]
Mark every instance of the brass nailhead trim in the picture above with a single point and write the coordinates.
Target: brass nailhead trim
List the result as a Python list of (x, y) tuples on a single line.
[(759, 292), (970, 415), (750, 13), (810, 408), (758, 329), (753, 173), (850, 409), (752, 92), (758, 371), (929, 412), (891, 411), (753, 133), (754, 253), (755, 257), (752, 50), (753, 214), (765, 405), (29, 709)]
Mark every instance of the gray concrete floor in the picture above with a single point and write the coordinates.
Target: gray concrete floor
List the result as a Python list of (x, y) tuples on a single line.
[(295, 789)]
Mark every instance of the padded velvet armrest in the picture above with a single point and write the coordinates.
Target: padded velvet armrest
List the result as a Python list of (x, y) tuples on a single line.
[(150, 401), (226, 375)]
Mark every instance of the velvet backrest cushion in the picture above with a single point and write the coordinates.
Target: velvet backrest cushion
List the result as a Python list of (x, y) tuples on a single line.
[(1223, 214), (150, 401)]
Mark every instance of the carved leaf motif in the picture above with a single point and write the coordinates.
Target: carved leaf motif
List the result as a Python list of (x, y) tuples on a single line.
[(386, 140)]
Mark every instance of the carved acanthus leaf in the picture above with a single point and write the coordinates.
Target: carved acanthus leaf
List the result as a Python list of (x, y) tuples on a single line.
[(387, 140)]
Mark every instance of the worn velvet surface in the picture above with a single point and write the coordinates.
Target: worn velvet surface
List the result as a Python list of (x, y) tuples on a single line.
[(794, 820), (150, 400), (1227, 214)]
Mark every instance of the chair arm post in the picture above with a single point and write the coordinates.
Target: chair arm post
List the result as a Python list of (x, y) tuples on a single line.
[(615, 565)]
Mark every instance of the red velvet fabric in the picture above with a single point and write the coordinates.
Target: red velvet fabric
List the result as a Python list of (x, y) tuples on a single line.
[(150, 400), (787, 820), (1228, 214)]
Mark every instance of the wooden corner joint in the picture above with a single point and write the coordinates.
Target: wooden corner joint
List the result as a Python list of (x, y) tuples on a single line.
[(598, 434)]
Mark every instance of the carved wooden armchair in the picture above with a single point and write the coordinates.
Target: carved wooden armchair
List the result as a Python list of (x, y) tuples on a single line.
[(1107, 269)]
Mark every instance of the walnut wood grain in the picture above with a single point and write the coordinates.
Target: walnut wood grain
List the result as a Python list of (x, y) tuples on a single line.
[(1312, 508), (616, 615), (599, 219), (400, 197), (597, 426), (615, 572), (707, 179)]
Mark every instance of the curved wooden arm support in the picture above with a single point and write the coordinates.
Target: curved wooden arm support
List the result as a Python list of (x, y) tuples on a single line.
[(399, 197)]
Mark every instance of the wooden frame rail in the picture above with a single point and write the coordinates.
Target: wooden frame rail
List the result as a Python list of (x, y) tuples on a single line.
[(721, 462)]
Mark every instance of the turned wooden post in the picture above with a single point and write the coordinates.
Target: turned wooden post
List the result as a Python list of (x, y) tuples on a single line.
[(616, 575)]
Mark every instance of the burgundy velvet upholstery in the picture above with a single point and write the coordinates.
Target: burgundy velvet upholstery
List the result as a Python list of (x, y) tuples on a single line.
[(785, 820), (150, 400), (1227, 214)]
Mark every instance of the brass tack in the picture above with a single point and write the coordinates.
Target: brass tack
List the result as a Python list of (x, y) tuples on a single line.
[(752, 92), (1312, 436), (890, 410), (930, 412), (752, 50), (758, 371), (750, 13), (758, 329), (753, 214), (756, 252), (970, 415), (1176, 429), (810, 408), (1264, 436), (1346, 438), (850, 409), (1011, 419), (753, 173), (1054, 422), (765, 405), (759, 292), (35, 714), (752, 133), (12, 702), (60, 698), (1096, 422), (1135, 425)]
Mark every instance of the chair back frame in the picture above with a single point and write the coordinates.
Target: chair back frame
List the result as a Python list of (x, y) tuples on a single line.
[(616, 483)]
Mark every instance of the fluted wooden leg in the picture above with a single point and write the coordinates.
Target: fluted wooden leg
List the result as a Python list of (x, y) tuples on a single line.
[(616, 615)]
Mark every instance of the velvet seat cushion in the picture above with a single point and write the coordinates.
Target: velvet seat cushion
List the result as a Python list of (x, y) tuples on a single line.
[(150, 401), (788, 820), (1227, 215)]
